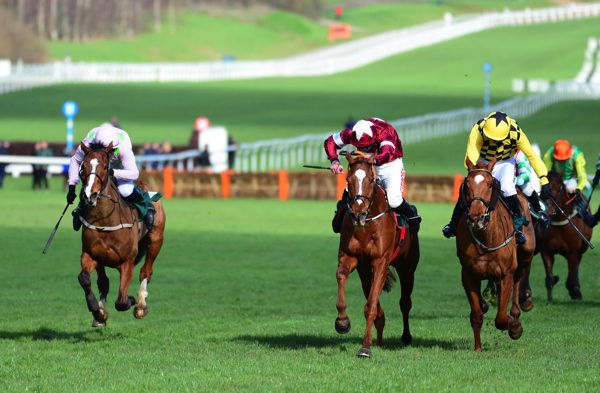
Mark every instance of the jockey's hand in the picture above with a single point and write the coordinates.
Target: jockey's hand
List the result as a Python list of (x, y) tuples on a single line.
[(546, 191), (71, 194), (596, 179), (336, 167)]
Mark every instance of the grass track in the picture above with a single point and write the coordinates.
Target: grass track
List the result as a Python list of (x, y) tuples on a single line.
[(243, 299)]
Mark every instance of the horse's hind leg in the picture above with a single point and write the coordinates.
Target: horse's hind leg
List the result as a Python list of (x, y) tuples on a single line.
[(124, 301), (472, 288), (346, 265), (141, 308), (572, 283), (87, 266), (365, 279), (505, 290), (515, 329), (551, 279), (103, 286), (525, 294), (407, 281)]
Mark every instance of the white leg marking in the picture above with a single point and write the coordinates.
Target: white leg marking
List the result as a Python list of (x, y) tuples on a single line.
[(478, 179), (88, 188), (143, 292)]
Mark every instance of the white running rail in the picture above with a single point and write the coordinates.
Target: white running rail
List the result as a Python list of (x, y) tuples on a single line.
[(320, 62)]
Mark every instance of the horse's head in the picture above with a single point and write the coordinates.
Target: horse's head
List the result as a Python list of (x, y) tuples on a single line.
[(480, 193), (361, 185), (559, 192), (94, 172)]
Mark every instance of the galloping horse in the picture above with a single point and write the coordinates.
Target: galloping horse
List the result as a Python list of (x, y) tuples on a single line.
[(113, 235), (487, 249), (369, 242), (562, 239)]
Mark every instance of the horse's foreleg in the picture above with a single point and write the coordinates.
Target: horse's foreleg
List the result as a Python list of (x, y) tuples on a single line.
[(156, 240), (346, 265), (379, 268), (551, 279), (525, 294), (573, 261), (472, 288), (505, 290), (124, 301), (103, 287), (366, 278), (87, 267), (407, 281)]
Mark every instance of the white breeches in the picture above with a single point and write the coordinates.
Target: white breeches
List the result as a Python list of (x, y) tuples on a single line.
[(125, 187), (391, 177), (532, 185), (504, 171)]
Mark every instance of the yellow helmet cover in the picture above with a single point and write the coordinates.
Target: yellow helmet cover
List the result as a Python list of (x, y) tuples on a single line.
[(496, 126)]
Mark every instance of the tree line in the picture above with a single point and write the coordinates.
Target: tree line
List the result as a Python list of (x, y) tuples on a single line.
[(81, 20)]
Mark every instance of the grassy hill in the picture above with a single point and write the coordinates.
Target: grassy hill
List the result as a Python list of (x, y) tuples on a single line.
[(255, 33)]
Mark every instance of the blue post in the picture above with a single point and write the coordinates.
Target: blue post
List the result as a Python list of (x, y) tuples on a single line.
[(69, 110), (487, 69)]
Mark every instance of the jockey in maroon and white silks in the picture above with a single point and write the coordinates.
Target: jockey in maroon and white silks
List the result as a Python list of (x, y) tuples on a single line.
[(374, 135)]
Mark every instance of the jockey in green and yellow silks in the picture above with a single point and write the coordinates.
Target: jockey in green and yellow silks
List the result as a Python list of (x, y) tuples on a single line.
[(569, 160), (498, 136)]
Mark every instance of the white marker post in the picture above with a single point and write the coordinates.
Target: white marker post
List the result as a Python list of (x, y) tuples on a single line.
[(69, 110)]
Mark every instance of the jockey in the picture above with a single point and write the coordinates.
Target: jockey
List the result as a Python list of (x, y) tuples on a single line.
[(529, 183), (125, 177), (499, 136), (373, 135), (570, 161)]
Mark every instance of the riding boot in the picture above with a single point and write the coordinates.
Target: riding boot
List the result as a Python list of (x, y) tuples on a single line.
[(589, 219), (534, 200), (76, 213), (336, 223), (410, 213), (518, 219), (450, 229), (137, 197)]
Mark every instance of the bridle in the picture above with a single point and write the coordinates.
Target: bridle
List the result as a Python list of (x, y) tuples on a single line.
[(103, 181), (359, 197), (489, 207)]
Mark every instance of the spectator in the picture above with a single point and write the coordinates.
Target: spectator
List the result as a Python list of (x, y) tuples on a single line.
[(114, 121), (232, 147), (40, 172), (167, 147), (4, 150), (152, 149), (204, 159)]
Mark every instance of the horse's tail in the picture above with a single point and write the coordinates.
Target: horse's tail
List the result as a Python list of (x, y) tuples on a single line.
[(142, 249), (389, 280)]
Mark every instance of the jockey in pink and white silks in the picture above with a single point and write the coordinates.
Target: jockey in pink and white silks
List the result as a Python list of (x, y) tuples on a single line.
[(373, 135), (125, 176)]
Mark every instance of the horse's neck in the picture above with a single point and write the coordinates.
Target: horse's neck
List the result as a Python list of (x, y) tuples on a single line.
[(380, 203), (499, 228)]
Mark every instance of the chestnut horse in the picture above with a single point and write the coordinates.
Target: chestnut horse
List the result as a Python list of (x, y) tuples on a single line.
[(562, 239), (113, 235), (368, 243), (487, 249)]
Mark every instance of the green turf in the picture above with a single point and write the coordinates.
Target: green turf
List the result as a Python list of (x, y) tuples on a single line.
[(243, 299)]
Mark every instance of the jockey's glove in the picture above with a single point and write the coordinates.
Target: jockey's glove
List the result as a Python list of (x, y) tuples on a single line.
[(546, 191), (71, 194)]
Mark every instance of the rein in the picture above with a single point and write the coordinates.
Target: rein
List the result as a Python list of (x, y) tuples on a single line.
[(489, 208)]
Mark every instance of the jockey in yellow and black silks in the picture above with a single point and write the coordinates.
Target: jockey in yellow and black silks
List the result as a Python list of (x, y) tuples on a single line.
[(499, 136)]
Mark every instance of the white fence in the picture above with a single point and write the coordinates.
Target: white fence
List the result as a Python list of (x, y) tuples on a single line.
[(320, 62)]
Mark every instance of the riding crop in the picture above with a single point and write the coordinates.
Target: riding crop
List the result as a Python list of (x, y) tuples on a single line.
[(54, 230), (316, 167), (590, 245)]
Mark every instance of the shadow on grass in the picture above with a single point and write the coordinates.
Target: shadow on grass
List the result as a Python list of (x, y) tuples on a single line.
[(303, 341), (46, 334), (571, 303)]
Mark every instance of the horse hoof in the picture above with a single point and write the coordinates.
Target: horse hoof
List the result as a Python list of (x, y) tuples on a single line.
[(102, 314), (342, 326), (527, 305), (364, 353), (406, 339), (575, 294), (516, 332), (484, 306), (97, 324), (140, 313)]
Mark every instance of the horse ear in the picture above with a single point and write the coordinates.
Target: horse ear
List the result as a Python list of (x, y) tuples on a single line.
[(85, 148), (371, 158), (469, 164), (110, 149), (491, 164)]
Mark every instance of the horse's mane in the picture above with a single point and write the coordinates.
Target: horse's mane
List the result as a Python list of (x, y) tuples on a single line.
[(97, 146)]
